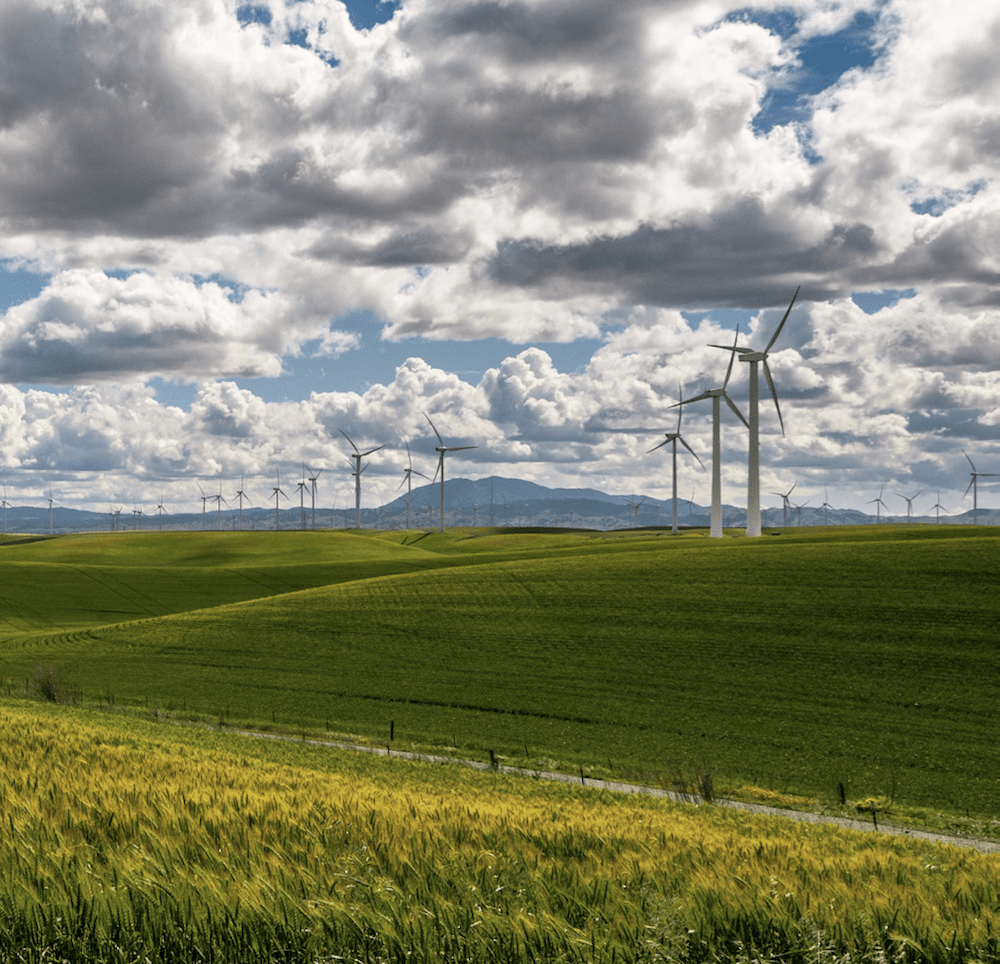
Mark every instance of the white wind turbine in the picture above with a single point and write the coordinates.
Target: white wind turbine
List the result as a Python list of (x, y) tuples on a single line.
[(408, 482), (937, 507), (302, 486), (204, 502), (5, 505), (785, 503), (636, 507), (879, 504), (826, 507), (716, 394), (909, 502), (51, 503), (240, 496), (277, 492), (218, 500), (672, 438), (974, 485), (753, 358), (160, 510), (316, 473), (441, 450), (358, 469), (798, 511)]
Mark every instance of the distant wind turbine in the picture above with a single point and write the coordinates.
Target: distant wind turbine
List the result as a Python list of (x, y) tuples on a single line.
[(909, 502), (51, 503), (442, 449), (879, 504), (302, 486), (240, 496), (672, 438), (358, 469), (314, 475), (798, 511), (219, 499), (937, 507), (974, 485), (408, 482), (278, 492), (753, 358), (716, 394), (160, 510), (5, 505), (826, 507), (785, 503), (204, 503)]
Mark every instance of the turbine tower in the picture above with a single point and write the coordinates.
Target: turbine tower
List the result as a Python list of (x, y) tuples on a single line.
[(50, 510), (160, 510), (302, 486), (909, 503), (358, 469), (672, 438), (755, 358), (716, 394), (204, 503), (219, 499), (408, 482), (974, 485), (441, 449), (5, 505), (937, 507)]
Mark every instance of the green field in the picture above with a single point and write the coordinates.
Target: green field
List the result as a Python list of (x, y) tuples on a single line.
[(866, 657)]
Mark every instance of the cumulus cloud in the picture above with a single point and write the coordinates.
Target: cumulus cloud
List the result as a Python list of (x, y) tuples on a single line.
[(540, 172)]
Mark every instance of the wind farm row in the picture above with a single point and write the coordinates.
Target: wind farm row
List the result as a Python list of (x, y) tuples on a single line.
[(749, 517)]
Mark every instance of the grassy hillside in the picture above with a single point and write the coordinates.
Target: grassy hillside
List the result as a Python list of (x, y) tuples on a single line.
[(866, 657), (125, 841)]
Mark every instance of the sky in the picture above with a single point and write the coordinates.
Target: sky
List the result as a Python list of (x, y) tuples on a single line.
[(231, 232)]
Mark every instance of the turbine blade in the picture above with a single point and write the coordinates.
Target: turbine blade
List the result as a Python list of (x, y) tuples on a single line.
[(461, 448), (691, 450), (436, 432), (966, 454), (774, 337), (774, 394), (680, 401), (732, 358), (739, 414), (660, 446), (348, 437)]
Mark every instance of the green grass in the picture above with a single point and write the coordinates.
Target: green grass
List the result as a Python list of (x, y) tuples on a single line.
[(866, 657)]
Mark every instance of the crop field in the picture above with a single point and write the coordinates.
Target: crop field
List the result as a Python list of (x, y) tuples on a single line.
[(123, 840), (863, 658)]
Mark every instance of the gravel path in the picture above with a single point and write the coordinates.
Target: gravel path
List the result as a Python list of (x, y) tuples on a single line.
[(865, 826)]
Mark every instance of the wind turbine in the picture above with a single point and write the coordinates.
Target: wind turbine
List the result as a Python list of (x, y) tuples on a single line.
[(204, 503), (277, 492), (785, 503), (5, 505), (408, 482), (974, 485), (50, 510), (160, 510), (241, 495), (442, 449), (798, 511), (826, 507), (219, 499), (635, 507), (879, 504), (358, 469), (909, 502), (302, 486), (754, 358), (672, 438), (316, 473), (937, 507), (716, 394)]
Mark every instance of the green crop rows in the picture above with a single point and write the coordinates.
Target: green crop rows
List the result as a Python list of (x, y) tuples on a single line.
[(866, 658)]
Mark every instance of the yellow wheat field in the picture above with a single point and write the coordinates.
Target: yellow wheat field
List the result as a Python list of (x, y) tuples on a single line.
[(119, 831)]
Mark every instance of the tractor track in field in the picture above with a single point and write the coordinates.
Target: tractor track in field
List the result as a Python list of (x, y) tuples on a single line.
[(615, 786)]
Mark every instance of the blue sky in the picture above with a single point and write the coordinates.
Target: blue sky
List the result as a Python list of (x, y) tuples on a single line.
[(529, 219)]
